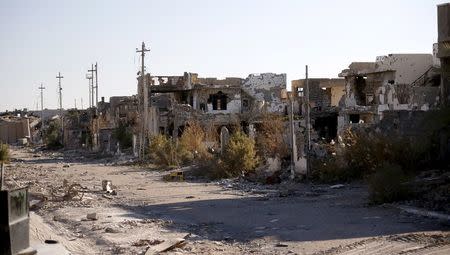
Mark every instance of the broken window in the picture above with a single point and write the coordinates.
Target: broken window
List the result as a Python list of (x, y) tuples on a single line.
[(370, 99), (354, 118), (203, 107), (219, 101), (245, 104), (326, 126), (360, 87)]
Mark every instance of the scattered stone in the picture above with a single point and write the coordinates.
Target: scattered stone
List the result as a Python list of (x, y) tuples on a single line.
[(66, 165), (189, 197), (165, 246), (112, 192), (144, 242), (337, 186), (281, 245), (92, 216), (112, 230), (106, 185)]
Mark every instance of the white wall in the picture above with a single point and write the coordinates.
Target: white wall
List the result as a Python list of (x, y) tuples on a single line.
[(407, 67), (267, 88)]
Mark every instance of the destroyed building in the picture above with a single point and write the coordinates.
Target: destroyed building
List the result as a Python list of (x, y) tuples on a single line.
[(120, 111), (175, 100), (396, 82), (77, 129), (15, 129), (442, 49), (325, 99)]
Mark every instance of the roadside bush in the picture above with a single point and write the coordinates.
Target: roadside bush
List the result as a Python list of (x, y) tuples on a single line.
[(388, 184), (366, 151), (192, 143), (53, 136), (123, 135), (239, 156), (270, 138), (162, 151), (330, 170)]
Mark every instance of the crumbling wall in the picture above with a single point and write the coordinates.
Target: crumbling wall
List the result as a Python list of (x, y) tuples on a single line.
[(350, 99), (230, 81), (11, 130), (337, 93), (424, 98), (267, 88), (408, 67)]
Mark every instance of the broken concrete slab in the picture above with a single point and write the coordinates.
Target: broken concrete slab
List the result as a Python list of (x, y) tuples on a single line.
[(165, 246), (92, 216)]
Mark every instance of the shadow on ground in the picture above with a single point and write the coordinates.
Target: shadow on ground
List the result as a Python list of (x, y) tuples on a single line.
[(287, 219)]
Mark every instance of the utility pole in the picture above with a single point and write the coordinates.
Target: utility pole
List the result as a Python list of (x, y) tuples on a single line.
[(75, 100), (308, 130), (143, 134), (92, 72), (81, 103), (96, 87), (59, 77), (292, 129), (89, 77), (42, 106)]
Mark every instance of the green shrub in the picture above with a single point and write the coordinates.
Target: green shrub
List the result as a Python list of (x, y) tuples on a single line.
[(239, 156), (388, 184), (53, 135), (330, 170), (123, 135), (162, 150), (366, 151)]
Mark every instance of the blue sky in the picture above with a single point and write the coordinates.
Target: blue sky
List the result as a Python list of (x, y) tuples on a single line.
[(213, 38)]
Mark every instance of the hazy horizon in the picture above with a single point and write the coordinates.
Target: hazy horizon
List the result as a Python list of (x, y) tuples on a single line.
[(212, 38)]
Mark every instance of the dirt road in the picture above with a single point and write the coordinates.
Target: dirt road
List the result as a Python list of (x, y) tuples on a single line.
[(225, 217)]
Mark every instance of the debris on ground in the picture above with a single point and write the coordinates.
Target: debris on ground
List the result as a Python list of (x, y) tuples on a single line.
[(337, 186), (166, 246), (67, 192), (92, 216), (145, 242), (174, 176)]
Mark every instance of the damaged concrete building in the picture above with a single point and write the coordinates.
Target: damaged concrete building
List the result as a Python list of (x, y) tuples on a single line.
[(396, 82), (176, 100), (77, 129), (325, 99), (15, 129), (120, 111)]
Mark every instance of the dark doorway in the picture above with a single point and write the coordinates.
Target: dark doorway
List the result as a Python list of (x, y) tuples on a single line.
[(326, 126)]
